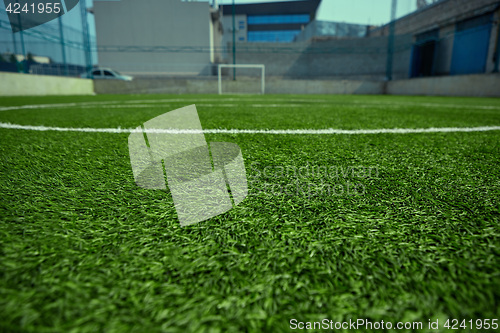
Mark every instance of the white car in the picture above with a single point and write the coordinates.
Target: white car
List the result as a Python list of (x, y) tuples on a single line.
[(106, 73)]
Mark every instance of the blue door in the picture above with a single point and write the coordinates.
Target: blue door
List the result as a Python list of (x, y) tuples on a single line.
[(470, 46), (415, 61)]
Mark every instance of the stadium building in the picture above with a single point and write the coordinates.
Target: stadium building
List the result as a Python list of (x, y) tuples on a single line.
[(451, 37), (267, 22)]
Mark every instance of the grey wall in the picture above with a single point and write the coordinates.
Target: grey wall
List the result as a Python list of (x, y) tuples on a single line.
[(477, 85), (246, 86), (458, 85), (227, 23), (356, 58), (326, 28), (16, 84), (217, 31), (170, 23)]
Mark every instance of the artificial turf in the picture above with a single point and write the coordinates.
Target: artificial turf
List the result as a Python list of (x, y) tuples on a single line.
[(84, 249)]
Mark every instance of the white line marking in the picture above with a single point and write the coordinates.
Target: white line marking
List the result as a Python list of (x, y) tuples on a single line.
[(57, 105), (257, 131), (65, 129)]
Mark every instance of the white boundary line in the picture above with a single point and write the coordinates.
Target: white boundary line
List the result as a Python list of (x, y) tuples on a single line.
[(256, 131), (152, 102)]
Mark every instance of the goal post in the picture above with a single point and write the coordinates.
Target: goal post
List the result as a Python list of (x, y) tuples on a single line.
[(256, 66)]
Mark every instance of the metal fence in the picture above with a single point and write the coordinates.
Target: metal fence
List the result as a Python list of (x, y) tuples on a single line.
[(58, 47)]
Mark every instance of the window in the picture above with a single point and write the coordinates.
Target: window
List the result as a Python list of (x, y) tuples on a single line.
[(241, 39), (96, 72), (108, 73), (283, 36), (278, 19), (241, 24)]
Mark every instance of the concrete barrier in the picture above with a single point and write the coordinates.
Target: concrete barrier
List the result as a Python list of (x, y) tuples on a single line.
[(15, 84), (335, 87), (480, 85), (158, 85), (241, 86), (475, 85), (459, 85)]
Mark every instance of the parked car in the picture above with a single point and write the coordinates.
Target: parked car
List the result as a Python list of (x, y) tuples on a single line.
[(106, 73)]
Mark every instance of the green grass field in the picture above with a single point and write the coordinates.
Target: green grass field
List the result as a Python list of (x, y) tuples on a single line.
[(84, 249)]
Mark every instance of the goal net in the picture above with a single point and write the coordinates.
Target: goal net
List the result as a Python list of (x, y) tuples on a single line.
[(241, 79)]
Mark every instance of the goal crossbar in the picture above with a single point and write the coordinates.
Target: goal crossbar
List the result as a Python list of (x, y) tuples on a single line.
[(262, 67)]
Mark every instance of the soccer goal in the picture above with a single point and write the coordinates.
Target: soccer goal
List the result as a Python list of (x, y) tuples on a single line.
[(246, 83)]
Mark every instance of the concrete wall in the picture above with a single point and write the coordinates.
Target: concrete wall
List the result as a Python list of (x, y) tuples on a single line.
[(227, 24), (14, 84), (354, 58), (325, 28), (335, 87), (216, 33), (464, 85), (275, 85), (480, 85), (242, 85), (277, 57), (159, 85), (154, 23)]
